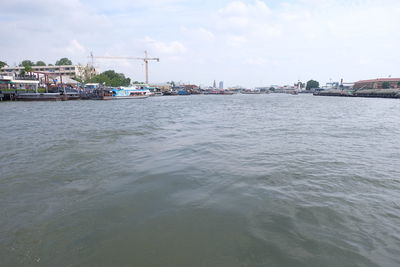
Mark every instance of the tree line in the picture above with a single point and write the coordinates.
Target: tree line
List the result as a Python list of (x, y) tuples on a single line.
[(311, 84), (110, 78), (30, 63), (60, 62)]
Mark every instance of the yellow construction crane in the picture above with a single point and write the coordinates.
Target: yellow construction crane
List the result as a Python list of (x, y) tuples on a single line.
[(146, 60)]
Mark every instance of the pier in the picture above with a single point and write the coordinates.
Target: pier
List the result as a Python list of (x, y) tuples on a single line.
[(375, 93)]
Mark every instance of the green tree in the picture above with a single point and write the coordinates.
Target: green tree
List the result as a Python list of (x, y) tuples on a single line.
[(312, 84), (40, 63), (26, 63), (63, 61), (111, 78), (28, 68), (2, 64), (386, 85), (398, 84)]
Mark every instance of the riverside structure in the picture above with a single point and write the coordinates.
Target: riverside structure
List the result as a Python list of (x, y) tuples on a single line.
[(64, 70), (380, 88)]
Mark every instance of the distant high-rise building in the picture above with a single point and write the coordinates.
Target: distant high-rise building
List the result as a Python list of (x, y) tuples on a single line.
[(221, 85), (214, 85)]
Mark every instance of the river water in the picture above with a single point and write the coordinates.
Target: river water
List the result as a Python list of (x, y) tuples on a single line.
[(241, 180)]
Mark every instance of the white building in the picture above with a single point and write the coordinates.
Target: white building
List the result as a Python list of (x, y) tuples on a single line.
[(64, 70), (10, 82)]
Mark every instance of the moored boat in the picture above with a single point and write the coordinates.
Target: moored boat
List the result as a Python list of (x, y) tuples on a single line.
[(130, 93), (39, 97)]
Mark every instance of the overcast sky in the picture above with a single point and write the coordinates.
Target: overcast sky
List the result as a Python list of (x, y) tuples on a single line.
[(249, 42)]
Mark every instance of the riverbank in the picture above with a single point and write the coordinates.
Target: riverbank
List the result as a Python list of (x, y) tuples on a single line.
[(377, 93), (12, 96)]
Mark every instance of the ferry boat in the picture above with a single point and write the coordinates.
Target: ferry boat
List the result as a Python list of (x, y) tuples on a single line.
[(130, 93)]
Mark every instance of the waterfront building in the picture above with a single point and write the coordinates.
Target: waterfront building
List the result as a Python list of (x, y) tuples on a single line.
[(286, 89), (331, 85), (264, 89), (191, 87), (377, 83), (221, 85), (56, 80), (236, 88), (347, 85), (163, 87), (83, 72), (18, 83)]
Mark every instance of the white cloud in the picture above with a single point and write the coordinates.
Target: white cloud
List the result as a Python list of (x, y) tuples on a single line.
[(240, 40), (239, 16), (172, 48), (236, 40), (75, 47), (143, 3), (168, 48), (241, 9), (255, 61), (198, 34), (236, 8)]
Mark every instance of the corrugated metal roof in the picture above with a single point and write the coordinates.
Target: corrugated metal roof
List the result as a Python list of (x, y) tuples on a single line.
[(380, 80)]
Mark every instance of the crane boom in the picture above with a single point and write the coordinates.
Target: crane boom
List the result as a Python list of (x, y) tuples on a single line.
[(134, 58), (146, 60)]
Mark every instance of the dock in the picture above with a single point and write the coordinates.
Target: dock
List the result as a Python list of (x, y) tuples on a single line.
[(375, 93)]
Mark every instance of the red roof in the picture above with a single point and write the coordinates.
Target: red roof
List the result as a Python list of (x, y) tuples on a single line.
[(380, 80)]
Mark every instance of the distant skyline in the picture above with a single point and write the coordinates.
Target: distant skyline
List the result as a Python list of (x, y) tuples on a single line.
[(249, 43)]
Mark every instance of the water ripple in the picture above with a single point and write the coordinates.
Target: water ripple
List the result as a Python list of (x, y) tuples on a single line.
[(242, 180)]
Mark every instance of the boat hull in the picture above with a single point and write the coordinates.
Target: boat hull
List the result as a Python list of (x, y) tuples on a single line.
[(40, 97), (130, 97)]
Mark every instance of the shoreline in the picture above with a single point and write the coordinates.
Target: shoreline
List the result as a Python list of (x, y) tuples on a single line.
[(369, 93)]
